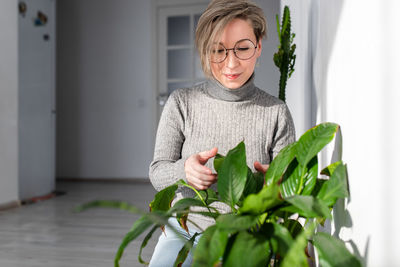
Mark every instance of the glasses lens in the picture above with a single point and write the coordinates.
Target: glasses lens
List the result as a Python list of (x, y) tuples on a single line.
[(245, 49), (218, 53)]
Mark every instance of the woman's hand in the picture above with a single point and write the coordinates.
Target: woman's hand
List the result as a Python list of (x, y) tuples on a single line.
[(261, 167), (198, 175)]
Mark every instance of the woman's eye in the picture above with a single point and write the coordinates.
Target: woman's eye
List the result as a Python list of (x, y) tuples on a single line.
[(218, 51), (242, 48)]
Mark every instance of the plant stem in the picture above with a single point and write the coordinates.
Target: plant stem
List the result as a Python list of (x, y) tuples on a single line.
[(198, 194), (303, 172)]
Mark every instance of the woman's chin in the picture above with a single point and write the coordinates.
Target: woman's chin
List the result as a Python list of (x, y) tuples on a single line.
[(232, 84)]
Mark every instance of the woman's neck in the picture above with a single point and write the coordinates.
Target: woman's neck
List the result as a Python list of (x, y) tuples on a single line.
[(218, 91)]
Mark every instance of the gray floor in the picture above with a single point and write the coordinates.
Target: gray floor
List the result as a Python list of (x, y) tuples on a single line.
[(48, 233)]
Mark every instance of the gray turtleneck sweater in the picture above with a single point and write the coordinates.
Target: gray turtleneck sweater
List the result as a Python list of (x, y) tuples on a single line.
[(210, 115)]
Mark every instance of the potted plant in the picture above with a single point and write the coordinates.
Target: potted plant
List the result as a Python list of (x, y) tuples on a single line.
[(272, 218), (285, 58)]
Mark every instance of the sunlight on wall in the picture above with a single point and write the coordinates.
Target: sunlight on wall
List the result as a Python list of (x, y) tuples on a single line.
[(360, 94)]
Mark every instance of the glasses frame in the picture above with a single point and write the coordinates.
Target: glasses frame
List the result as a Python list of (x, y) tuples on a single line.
[(234, 49)]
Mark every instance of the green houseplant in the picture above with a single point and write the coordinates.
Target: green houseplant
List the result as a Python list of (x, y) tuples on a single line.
[(263, 228), (285, 58)]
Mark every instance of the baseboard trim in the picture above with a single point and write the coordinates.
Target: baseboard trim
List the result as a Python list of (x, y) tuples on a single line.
[(104, 180), (10, 205)]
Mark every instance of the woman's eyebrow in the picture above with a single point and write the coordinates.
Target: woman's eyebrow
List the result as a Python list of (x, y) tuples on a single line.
[(235, 42)]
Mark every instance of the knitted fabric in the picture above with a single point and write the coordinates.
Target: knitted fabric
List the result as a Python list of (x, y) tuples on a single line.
[(209, 115)]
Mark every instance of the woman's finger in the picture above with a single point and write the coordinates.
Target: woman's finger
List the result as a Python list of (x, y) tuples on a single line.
[(261, 167), (198, 183), (203, 177), (201, 169), (204, 156)]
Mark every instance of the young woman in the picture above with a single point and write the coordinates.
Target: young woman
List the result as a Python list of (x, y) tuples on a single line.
[(216, 115)]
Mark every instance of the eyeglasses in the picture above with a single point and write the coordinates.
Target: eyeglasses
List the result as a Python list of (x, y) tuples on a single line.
[(243, 49)]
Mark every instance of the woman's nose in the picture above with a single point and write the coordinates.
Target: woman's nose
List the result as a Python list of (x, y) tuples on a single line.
[(231, 59)]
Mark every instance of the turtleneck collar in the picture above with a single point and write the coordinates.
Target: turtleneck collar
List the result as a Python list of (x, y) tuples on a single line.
[(218, 91)]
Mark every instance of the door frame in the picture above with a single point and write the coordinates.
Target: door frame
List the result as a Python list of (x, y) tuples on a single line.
[(156, 5)]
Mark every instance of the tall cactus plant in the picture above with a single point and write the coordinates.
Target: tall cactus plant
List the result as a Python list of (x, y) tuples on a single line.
[(285, 58)]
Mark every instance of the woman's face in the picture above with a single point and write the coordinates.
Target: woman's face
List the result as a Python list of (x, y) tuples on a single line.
[(234, 72)]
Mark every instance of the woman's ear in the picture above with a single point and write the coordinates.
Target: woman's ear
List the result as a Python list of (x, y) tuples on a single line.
[(259, 48)]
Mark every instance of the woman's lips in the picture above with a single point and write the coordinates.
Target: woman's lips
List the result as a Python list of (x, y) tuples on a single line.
[(231, 76)]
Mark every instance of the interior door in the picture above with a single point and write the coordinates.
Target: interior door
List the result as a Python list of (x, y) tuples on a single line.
[(36, 98), (178, 61)]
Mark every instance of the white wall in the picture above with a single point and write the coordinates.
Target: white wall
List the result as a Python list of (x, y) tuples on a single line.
[(104, 82), (267, 74), (8, 102), (353, 54), (362, 94)]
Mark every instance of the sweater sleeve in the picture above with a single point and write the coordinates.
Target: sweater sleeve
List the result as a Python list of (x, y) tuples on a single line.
[(167, 166), (285, 132)]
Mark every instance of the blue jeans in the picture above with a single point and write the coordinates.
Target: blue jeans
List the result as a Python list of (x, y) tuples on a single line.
[(169, 245)]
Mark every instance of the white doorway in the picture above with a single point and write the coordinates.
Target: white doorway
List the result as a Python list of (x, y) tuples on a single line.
[(36, 28), (177, 62)]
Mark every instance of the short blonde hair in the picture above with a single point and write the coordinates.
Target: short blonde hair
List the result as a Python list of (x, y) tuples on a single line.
[(214, 19)]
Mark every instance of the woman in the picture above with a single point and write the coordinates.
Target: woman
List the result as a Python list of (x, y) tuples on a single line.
[(217, 114)]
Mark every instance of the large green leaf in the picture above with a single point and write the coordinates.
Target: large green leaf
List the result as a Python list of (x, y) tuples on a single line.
[(308, 206), (232, 175), (254, 183), (218, 159), (312, 141), (138, 228), (279, 164), (335, 187), (333, 253), (159, 218), (184, 204), (310, 177), (280, 238), (247, 249), (293, 226), (184, 252), (300, 179), (108, 204), (162, 200), (210, 248), (267, 198), (318, 185), (182, 220), (291, 180), (259, 181), (331, 168), (296, 255), (234, 222), (144, 244)]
